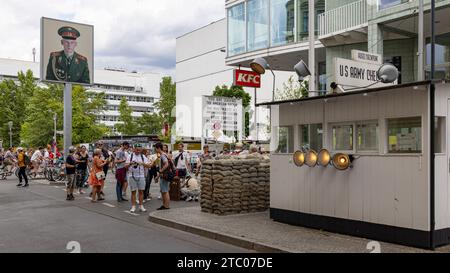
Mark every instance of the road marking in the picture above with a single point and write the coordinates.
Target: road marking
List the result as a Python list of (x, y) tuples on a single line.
[(109, 205), (134, 214), (88, 198), (57, 187)]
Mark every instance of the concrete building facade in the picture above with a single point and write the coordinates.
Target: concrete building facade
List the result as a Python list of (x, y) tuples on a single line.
[(200, 67)]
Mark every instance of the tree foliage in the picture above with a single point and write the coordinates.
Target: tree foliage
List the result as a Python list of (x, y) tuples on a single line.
[(292, 90), (168, 100), (38, 128), (150, 124), (239, 93), (14, 99), (127, 125)]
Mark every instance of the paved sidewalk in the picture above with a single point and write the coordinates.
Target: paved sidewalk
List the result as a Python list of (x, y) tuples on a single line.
[(258, 232)]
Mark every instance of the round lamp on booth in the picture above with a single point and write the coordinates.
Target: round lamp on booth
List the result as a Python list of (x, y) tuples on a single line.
[(324, 158), (311, 158), (299, 158), (388, 73), (341, 161)]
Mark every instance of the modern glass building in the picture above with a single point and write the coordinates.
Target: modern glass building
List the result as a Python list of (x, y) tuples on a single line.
[(278, 31)]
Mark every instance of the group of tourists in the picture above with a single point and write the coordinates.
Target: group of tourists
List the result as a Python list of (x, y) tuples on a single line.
[(135, 168)]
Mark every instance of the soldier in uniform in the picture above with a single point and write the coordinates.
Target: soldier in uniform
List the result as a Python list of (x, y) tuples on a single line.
[(67, 65)]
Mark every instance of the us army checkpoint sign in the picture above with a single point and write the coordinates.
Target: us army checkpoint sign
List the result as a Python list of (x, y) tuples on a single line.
[(67, 52)]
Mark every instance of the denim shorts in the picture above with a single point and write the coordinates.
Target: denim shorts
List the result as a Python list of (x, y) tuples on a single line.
[(136, 184), (164, 185)]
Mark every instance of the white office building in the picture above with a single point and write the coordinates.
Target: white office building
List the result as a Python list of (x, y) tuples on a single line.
[(200, 67), (140, 89)]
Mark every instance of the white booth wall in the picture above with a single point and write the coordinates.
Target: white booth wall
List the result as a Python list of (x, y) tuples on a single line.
[(381, 188)]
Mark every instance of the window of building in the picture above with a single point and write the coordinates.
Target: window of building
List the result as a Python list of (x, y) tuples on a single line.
[(311, 136), (384, 4), (367, 136), (257, 24), (285, 140), (282, 22), (342, 137), (439, 135), (303, 21), (236, 29), (405, 135), (442, 57)]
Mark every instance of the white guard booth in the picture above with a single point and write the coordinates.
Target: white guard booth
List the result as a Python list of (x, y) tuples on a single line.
[(386, 193)]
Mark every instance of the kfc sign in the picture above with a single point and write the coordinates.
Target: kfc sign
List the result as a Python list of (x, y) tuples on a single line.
[(247, 78)]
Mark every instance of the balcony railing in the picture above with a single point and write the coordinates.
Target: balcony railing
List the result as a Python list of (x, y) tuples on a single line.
[(343, 18)]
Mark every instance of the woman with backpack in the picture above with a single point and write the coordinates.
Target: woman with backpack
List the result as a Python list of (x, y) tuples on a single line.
[(166, 175)]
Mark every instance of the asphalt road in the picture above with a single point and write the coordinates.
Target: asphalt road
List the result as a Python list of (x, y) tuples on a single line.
[(38, 219)]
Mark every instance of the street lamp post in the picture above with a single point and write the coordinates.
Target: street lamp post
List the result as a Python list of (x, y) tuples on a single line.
[(54, 133), (10, 124)]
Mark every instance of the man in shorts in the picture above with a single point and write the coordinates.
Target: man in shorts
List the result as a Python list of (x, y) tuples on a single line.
[(136, 165)]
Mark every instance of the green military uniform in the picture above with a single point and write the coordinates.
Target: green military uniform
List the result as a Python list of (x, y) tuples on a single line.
[(62, 68)]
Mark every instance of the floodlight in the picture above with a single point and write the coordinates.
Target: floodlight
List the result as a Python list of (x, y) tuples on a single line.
[(341, 161), (324, 158), (302, 70), (299, 158), (311, 158)]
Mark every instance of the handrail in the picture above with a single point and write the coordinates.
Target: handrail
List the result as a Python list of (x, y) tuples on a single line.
[(342, 18)]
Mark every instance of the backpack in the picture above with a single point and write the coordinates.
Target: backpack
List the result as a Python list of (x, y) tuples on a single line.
[(170, 173), (26, 160)]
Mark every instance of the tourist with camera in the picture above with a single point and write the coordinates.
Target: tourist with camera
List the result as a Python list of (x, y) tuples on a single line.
[(136, 164)]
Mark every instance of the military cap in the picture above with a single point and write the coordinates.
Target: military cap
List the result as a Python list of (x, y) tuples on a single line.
[(69, 33)]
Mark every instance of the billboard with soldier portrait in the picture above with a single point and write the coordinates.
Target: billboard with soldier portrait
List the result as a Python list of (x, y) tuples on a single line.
[(67, 52)]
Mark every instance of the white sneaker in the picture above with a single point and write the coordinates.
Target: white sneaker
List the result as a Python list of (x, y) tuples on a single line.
[(141, 208), (133, 209), (159, 197), (189, 199), (124, 194)]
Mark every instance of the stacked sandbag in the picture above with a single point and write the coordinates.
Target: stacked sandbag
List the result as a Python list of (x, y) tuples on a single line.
[(206, 186), (264, 184), (235, 184)]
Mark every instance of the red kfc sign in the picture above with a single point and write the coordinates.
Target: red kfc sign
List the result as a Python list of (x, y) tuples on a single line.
[(247, 78)]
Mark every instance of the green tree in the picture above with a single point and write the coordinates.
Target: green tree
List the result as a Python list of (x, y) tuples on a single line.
[(236, 92), (168, 100), (86, 106), (127, 125), (38, 130), (14, 99), (292, 90), (150, 124)]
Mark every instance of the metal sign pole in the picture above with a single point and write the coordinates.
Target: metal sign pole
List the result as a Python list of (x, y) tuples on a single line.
[(256, 117), (67, 118)]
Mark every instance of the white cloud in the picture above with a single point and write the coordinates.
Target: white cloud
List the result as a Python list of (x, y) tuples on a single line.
[(133, 34)]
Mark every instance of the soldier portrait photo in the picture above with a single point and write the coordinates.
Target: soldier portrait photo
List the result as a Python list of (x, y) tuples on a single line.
[(61, 52)]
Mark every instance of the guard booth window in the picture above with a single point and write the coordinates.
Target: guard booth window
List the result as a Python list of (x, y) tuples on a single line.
[(342, 135), (405, 135), (311, 136), (439, 135), (285, 140), (367, 136)]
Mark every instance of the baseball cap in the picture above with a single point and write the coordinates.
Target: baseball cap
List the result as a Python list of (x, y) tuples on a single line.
[(137, 145)]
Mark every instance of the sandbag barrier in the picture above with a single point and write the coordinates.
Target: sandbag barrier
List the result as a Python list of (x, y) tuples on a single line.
[(235, 184)]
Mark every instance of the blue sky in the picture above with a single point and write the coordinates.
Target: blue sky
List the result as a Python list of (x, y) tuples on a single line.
[(133, 34)]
